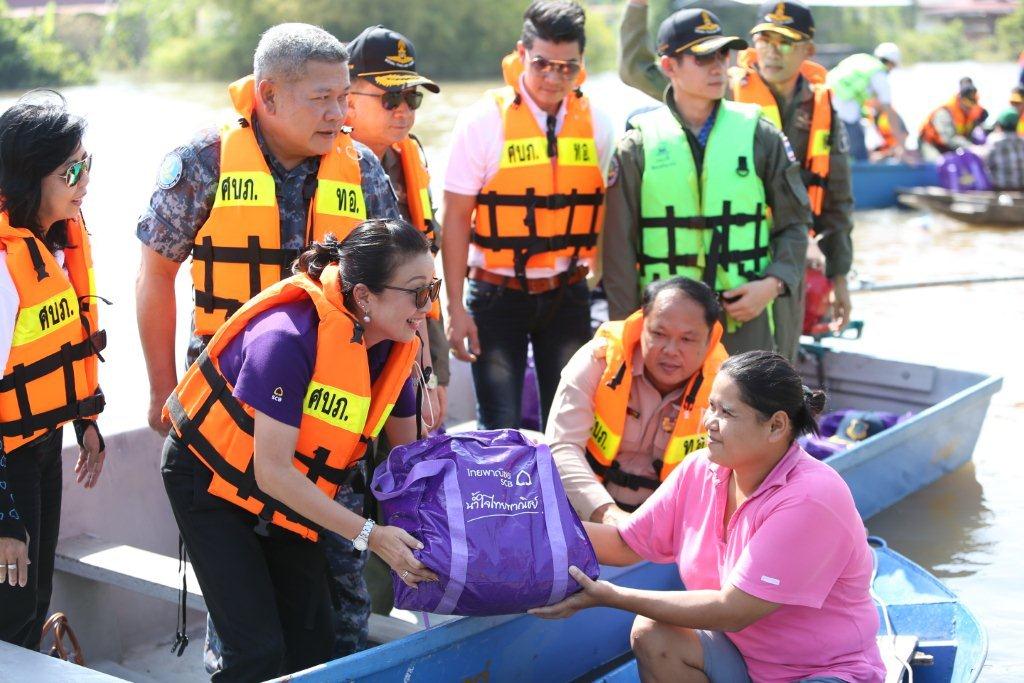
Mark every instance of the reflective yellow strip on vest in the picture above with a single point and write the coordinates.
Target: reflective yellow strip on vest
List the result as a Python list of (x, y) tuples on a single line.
[(820, 143), (681, 446), (245, 188), (577, 152), (336, 407), (35, 322), (428, 210), (771, 112), (525, 152), (602, 437), (383, 418), (335, 198)]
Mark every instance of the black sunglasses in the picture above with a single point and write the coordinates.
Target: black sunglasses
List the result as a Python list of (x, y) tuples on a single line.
[(392, 99), (711, 57), (73, 175), (428, 292), (564, 69)]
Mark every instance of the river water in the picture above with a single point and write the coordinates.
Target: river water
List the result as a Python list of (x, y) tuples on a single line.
[(964, 528)]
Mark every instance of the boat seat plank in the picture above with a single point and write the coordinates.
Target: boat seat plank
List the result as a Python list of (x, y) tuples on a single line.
[(873, 371), (897, 651), (157, 576)]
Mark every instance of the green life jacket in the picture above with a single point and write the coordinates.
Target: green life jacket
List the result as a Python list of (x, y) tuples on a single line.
[(852, 76), (714, 228)]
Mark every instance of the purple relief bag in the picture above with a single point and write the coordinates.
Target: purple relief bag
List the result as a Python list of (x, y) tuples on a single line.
[(493, 518)]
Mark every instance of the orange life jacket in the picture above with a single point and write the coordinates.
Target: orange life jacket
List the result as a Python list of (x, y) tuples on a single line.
[(963, 121), (341, 411), (417, 195), (748, 86), (51, 374), (539, 207), (612, 399), (238, 250)]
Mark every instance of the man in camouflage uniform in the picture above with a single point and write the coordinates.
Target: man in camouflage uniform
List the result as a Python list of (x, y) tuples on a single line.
[(181, 205)]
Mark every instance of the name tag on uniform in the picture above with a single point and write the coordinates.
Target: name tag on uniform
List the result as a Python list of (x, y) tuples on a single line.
[(336, 407), (334, 198), (577, 152), (246, 188)]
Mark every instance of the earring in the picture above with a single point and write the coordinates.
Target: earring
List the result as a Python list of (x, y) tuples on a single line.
[(366, 314)]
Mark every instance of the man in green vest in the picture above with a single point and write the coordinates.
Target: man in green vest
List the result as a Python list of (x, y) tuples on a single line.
[(857, 79), (705, 188), (783, 41)]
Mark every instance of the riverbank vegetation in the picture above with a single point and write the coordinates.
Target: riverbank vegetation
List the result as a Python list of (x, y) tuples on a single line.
[(455, 39)]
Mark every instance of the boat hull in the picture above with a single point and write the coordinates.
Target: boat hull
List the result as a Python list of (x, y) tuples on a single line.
[(874, 185), (996, 209)]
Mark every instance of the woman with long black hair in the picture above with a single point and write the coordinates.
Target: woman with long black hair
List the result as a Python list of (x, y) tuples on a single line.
[(49, 345)]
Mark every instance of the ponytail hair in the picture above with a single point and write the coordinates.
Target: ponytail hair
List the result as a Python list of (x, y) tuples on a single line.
[(768, 384), (369, 255)]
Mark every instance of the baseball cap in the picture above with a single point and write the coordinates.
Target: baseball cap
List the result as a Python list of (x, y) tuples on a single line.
[(1008, 119), (890, 52), (697, 31), (790, 19), (387, 59)]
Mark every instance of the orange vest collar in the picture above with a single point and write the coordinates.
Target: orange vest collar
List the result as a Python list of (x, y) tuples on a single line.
[(812, 71), (243, 96), (330, 282)]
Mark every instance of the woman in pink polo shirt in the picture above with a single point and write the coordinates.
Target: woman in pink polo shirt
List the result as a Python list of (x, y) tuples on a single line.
[(768, 542)]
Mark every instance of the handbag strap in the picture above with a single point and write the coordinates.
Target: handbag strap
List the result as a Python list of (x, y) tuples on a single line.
[(553, 524), (59, 626)]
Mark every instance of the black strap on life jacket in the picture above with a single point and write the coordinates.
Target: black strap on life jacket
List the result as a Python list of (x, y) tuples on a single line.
[(525, 246), (719, 253), (615, 475), (62, 359), (252, 255), (244, 481)]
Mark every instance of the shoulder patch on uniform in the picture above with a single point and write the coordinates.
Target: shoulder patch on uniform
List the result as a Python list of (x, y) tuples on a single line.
[(613, 171), (170, 171), (789, 148)]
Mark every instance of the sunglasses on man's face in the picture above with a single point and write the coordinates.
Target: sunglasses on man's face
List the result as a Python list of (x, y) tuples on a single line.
[(73, 175), (392, 99), (563, 69), (721, 55), (422, 295), (781, 45)]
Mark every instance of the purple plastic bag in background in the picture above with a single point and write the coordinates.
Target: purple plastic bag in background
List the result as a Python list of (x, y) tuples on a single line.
[(494, 520)]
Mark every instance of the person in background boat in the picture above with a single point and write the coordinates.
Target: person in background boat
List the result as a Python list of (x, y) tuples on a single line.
[(768, 542), (749, 181), (382, 108), (523, 208), (283, 173), (630, 403), (886, 147), (269, 422), (857, 79), (787, 91), (952, 126), (1003, 153), (1017, 103), (48, 319)]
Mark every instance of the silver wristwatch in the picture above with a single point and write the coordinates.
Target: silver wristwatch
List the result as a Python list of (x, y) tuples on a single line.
[(361, 541)]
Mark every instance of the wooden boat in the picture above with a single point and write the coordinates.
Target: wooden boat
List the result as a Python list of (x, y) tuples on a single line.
[(117, 564), (936, 636), (1003, 209), (874, 184)]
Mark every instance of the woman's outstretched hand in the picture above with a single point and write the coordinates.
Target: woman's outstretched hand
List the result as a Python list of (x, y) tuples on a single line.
[(594, 594), (394, 545)]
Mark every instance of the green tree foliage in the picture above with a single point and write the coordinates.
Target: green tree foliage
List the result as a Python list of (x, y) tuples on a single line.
[(31, 56)]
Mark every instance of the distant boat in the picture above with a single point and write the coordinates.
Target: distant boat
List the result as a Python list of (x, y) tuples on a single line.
[(875, 184), (1000, 209), (924, 627)]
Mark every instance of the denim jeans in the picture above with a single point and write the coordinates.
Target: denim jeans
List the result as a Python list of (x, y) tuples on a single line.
[(858, 145), (556, 323)]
